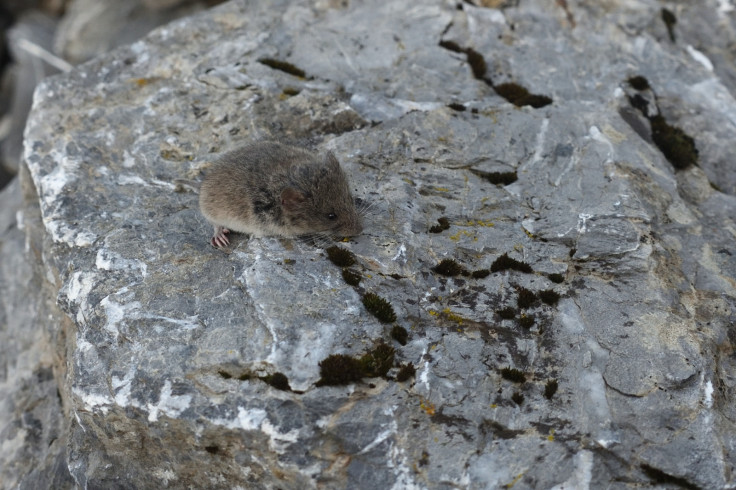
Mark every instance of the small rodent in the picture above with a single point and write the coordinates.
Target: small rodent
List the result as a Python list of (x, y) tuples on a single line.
[(270, 189)]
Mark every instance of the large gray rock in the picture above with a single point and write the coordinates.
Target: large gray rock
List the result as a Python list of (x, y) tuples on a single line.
[(33, 425), (174, 344)]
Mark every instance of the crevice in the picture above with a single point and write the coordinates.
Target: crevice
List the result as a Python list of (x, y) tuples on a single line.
[(676, 145), (284, 66), (512, 92), (659, 476)]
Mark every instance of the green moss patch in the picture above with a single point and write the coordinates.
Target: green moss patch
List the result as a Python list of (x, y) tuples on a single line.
[(406, 371), (443, 224), (340, 256), (284, 66), (278, 381), (507, 313), (512, 374), (520, 97), (339, 369), (480, 273), (377, 362), (351, 277), (556, 277), (504, 262), (549, 296), (518, 398), (676, 145), (526, 298), (550, 389), (379, 307), (399, 334), (669, 19), (450, 268), (639, 83), (526, 321)]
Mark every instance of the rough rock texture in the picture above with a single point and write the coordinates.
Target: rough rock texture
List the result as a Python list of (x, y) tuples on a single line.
[(33, 427), (173, 345)]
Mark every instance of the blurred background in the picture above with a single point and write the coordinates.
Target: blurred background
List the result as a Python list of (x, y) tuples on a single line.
[(39, 38)]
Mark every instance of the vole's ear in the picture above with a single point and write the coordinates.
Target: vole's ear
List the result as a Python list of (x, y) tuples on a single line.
[(331, 161), (292, 199)]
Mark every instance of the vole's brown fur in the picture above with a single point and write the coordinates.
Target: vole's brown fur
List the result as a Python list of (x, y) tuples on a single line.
[(270, 189)]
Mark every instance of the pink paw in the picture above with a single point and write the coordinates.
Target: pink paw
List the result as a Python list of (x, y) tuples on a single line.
[(219, 239)]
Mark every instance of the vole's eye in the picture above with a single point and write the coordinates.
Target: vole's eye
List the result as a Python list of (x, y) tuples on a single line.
[(332, 216)]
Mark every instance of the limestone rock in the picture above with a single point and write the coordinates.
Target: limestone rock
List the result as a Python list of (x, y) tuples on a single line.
[(33, 425), (176, 346)]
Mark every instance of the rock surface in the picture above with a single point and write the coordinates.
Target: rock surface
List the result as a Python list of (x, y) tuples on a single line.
[(33, 426), (173, 346)]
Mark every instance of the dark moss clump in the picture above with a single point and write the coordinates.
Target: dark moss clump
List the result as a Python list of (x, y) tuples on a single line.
[(475, 59), (507, 313), (456, 107), (677, 146), (340, 257), (451, 46), (513, 375), (406, 371), (379, 307), (501, 178), (550, 389), (399, 334), (669, 19), (504, 262), (518, 398), (549, 296), (448, 267), (278, 381), (556, 277), (526, 321), (284, 66), (339, 369), (224, 374), (477, 63), (443, 225), (351, 277), (290, 91), (377, 362), (660, 476), (520, 97), (526, 298), (480, 273), (639, 83), (640, 103)]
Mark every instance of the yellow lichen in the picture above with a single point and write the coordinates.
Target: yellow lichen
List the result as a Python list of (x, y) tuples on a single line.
[(427, 407), (514, 481)]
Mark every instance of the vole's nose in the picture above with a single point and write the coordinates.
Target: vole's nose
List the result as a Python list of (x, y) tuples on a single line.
[(357, 228)]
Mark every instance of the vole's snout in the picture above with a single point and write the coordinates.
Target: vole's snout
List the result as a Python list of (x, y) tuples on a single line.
[(351, 227), (357, 227)]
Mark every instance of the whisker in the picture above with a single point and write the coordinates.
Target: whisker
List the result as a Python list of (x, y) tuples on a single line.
[(365, 208)]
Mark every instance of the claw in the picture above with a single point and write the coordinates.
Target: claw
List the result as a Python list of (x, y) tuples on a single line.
[(219, 240)]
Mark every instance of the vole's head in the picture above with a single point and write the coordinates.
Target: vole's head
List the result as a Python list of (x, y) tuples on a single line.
[(318, 200)]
